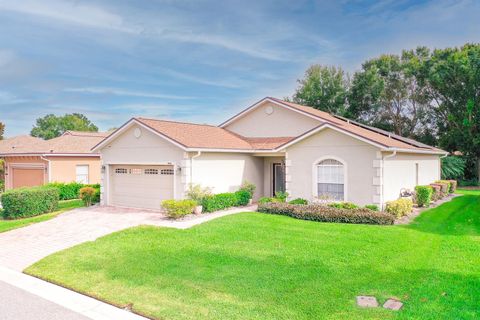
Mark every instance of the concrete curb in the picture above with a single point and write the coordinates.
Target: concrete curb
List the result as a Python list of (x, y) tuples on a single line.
[(79, 303)]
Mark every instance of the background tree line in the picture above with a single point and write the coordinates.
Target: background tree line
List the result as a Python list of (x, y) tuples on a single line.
[(432, 96)]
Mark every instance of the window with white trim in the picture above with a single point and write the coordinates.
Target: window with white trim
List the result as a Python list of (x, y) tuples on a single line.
[(82, 173), (166, 171), (121, 171), (151, 171), (330, 180)]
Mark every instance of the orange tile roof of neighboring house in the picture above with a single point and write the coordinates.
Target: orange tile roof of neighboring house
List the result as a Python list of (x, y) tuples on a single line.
[(372, 134), (68, 143), (197, 135)]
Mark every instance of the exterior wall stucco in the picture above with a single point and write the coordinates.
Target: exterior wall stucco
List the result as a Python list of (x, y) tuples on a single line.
[(225, 172), (149, 148), (358, 157), (281, 123), (64, 169), (400, 172)]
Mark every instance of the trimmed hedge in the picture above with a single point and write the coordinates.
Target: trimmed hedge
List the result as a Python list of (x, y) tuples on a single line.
[(399, 208), (316, 212), (29, 202), (452, 184), (69, 191), (243, 197), (423, 195), (219, 201), (343, 205), (436, 192), (298, 201), (178, 208)]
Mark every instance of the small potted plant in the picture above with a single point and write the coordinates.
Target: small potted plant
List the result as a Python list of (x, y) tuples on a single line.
[(197, 193)]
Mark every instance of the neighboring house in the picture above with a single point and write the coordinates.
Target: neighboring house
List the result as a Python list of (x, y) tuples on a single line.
[(31, 161), (277, 145)]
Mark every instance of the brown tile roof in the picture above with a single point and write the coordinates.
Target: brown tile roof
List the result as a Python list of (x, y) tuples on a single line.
[(267, 143), (197, 135), (378, 136), (69, 142)]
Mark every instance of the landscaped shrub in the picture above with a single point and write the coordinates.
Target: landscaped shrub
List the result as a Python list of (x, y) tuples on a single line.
[(263, 200), (219, 201), (281, 196), (96, 195), (316, 212), (28, 202), (67, 191), (87, 194), (445, 187), (249, 187), (372, 207), (423, 195), (343, 205), (436, 192), (399, 208), (243, 197), (178, 208), (452, 184), (298, 201), (197, 193)]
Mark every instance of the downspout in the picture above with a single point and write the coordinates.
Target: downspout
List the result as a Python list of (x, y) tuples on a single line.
[(48, 168), (382, 196), (199, 153), (440, 165)]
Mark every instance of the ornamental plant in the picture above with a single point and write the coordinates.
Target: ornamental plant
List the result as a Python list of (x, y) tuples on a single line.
[(423, 195)]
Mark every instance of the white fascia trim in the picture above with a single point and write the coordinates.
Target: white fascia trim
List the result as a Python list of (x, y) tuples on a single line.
[(229, 150), (139, 163), (126, 126), (256, 105), (327, 125), (50, 155), (415, 151)]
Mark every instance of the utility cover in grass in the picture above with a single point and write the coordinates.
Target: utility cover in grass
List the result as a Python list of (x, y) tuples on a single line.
[(393, 304), (367, 302)]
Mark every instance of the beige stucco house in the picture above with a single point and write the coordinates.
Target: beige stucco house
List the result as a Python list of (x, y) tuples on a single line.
[(31, 161), (277, 145)]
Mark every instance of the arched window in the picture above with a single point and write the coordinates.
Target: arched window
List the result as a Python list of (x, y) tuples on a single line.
[(331, 180)]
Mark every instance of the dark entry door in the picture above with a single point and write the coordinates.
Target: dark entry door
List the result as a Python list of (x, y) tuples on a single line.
[(278, 178)]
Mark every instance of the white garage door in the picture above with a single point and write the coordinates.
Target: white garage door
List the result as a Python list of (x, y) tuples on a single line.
[(141, 186)]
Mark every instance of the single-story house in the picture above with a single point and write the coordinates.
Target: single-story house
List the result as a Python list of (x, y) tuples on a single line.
[(31, 161), (275, 144)]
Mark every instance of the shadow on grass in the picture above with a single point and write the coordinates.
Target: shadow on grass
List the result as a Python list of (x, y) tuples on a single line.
[(458, 217)]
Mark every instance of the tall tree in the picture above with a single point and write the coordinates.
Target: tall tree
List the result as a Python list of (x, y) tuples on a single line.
[(324, 88), (51, 126), (453, 76), (2, 130), (386, 94)]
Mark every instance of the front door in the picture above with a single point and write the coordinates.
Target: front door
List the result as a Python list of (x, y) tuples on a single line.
[(278, 178)]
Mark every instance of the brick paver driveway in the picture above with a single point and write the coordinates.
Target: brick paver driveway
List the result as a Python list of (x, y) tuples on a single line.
[(22, 247)]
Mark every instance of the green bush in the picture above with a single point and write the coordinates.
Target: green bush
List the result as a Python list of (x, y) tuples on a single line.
[(453, 167), (249, 187), (298, 201), (219, 201), (372, 207), (445, 187), (399, 208), (263, 200), (178, 208), (343, 205), (96, 195), (281, 196), (29, 202), (436, 192), (316, 212), (423, 195), (67, 191), (243, 197), (452, 185), (87, 194)]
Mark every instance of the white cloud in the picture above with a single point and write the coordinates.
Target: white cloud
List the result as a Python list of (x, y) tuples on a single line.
[(122, 92)]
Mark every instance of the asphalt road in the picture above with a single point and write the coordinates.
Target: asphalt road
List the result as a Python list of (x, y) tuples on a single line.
[(18, 304)]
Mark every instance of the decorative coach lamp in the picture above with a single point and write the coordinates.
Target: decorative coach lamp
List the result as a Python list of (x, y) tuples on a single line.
[(103, 169)]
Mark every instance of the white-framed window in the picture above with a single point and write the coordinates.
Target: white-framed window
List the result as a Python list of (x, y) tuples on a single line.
[(82, 173), (136, 171), (330, 182), (166, 171), (121, 171)]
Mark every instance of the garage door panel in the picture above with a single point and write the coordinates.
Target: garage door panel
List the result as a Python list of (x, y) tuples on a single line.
[(141, 186), (27, 177)]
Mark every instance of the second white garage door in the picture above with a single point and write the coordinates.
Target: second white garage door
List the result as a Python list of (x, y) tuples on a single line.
[(141, 186)]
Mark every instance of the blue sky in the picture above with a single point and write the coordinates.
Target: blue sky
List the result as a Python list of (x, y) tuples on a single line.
[(196, 60)]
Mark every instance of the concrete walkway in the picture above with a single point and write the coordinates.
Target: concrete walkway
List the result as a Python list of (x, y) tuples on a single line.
[(22, 247)]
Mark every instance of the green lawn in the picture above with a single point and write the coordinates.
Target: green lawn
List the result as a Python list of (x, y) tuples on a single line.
[(258, 266), (6, 225)]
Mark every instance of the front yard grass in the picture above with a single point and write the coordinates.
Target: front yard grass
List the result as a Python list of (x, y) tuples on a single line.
[(6, 225), (259, 266)]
